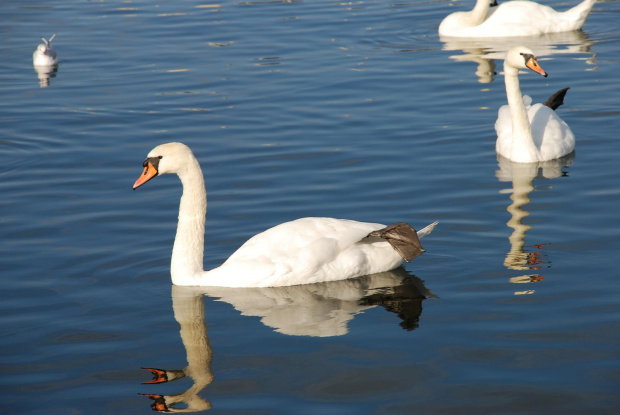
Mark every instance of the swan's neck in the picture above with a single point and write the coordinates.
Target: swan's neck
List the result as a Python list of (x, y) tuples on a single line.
[(478, 13), (522, 141), (188, 250)]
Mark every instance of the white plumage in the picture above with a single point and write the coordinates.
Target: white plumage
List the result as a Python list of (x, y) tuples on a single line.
[(529, 133), (45, 55), (302, 251), (514, 18)]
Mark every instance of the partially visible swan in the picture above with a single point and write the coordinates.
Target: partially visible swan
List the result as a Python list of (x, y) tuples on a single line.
[(514, 18), (302, 251), (529, 133), (45, 55)]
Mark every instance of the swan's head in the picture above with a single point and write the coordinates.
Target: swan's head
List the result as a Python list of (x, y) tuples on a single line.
[(163, 159), (522, 57)]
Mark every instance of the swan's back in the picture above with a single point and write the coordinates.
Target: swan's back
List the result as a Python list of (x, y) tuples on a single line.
[(553, 138), (305, 251), (519, 18)]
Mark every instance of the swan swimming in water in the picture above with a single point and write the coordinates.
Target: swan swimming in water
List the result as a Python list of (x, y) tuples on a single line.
[(530, 133), (303, 251), (514, 18)]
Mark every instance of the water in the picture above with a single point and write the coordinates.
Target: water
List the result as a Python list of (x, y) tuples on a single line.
[(343, 109)]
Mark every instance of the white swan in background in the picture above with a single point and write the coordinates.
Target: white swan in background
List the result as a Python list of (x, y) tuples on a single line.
[(303, 251), (45, 55), (514, 18), (529, 133)]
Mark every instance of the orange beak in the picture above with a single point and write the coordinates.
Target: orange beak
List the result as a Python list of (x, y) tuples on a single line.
[(149, 172), (532, 63)]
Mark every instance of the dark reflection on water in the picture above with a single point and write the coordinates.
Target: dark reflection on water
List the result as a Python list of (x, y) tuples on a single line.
[(316, 310)]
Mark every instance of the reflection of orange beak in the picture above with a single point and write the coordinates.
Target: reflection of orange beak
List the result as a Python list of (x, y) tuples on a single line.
[(159, 402), (532, 63), (148, 174), (159, 376)]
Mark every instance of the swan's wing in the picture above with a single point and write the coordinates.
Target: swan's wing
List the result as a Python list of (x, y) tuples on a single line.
[(326, 237), (551, 134)]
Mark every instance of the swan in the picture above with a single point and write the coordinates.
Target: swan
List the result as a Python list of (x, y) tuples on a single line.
[(530, 133), (303, 251), (514, 18), (45, 55)]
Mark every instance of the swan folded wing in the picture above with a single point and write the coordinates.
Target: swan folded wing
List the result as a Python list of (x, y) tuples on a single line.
[(288, 238), (514, 18), (403, 238), (299, 251), (551, 134)]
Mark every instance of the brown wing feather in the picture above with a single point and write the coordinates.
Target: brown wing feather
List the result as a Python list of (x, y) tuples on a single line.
[(403, 238)]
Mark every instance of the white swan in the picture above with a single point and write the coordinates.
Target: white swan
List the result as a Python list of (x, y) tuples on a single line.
[(514, 18), (530, 133), (45, 55), (303, 251)]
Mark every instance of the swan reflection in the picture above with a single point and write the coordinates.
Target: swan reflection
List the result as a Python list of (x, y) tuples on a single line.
[(323, 310), (44, 73), (189, 312), (319, 310), (484, 51), (522, 175)]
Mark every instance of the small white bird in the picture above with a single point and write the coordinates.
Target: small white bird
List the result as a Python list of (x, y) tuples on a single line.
[(303, 251), (45, 55), (530, 133), (514, 18)]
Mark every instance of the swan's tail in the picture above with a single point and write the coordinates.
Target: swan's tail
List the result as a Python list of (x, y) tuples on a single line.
[(427, 229), (404, 239), (579, 13), (556, 99)]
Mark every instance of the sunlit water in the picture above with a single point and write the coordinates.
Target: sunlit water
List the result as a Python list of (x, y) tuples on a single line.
[(317, 108)]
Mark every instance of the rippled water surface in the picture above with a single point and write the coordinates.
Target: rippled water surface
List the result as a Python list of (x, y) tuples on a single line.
[(303, 108)]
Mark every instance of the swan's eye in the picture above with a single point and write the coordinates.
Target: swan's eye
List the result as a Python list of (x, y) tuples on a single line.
[(527, 56), (160, 157)]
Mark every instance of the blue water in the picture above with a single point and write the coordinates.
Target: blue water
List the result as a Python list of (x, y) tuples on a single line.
[(318, 108)]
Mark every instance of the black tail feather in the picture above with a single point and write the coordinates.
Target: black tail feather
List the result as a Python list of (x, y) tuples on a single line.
[(556, 99)]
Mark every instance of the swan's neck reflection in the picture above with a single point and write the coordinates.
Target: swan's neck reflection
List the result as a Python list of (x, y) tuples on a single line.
[(189, 312), (521, 188), (522, 176), (305, 310)]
